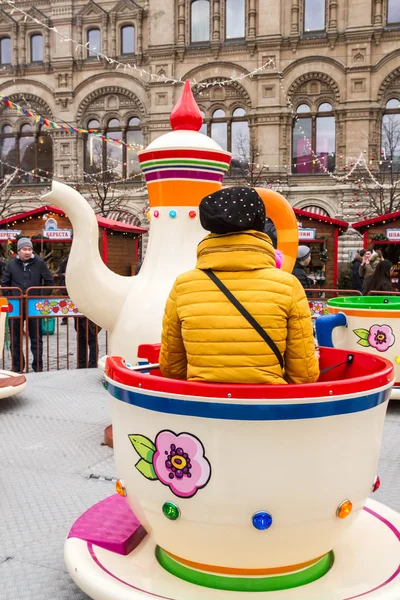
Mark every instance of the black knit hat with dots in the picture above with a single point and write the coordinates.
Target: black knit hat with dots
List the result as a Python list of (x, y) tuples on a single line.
[(232, 209)]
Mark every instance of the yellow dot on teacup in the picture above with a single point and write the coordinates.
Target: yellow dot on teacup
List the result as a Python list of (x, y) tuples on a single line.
[(397, 359), (120, 488), (344, 509), (148, 215)]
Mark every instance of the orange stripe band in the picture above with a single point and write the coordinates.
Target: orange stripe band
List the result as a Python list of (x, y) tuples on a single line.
[(180, 192), (245, 572), (376, 314)]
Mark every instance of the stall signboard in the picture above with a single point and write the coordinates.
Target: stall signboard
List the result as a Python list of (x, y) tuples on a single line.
[(59, 235), (393, 235), (9, 234), (307, 234)]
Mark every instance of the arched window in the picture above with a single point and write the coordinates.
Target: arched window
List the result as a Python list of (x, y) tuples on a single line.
[(5, 51), (204, 126), (314, 15), (114, 152), (44, 162), (37, 48), (29, 149), (390, 152), (200, 21), (314, 139), (134, 136), (93, 42), (393, 11), (235, 24), (231, 131), (8, 151), (219, 128), (128, 39), (113, 160)]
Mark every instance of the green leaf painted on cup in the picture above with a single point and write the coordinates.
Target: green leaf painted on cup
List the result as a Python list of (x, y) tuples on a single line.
[(146, 469), (143, 446), (362, 333), (364, 343)]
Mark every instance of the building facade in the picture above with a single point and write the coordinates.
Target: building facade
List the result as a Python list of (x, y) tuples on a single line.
[(324, 78)]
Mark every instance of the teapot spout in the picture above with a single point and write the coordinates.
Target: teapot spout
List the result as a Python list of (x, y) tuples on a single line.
[(93, 287)]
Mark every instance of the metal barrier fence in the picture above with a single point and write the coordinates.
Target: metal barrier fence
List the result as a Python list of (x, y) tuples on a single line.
[(46, 331)]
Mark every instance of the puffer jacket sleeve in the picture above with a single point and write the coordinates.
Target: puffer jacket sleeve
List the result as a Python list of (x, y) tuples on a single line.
[(173, 360), (301, 361)]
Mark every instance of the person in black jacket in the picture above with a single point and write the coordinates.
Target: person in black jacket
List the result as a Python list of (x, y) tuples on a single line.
[(303, 260), (356, 280), (25, 271)]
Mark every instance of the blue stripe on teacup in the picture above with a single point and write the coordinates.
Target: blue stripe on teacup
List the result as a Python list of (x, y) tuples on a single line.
[(249, 412)]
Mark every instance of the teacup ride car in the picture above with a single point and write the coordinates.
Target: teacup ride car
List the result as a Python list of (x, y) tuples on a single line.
[(10, 383), (227, 490), (368, 323)]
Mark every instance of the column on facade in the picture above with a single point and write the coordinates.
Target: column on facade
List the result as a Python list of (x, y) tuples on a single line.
[(139, 33), (252, 19), (216, 20), (22, 37), (295, 17), (113, 34), (47, 46), (378, 20), (104, 29), (181, 23), (79, 38), (332, 15), (15, 44)]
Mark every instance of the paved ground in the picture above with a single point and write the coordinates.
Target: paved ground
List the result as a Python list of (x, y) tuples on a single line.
[(53, 466)]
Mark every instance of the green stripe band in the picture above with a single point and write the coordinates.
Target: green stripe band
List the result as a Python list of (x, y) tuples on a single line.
[(185, 161), (273, 583)]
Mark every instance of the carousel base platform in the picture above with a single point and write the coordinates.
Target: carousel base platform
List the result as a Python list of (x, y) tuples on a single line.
[(110, 557), (11, 384)]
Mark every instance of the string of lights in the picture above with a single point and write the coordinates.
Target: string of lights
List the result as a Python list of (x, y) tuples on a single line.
[(43, 176)]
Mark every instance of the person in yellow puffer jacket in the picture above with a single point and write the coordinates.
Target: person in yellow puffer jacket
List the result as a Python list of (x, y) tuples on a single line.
[(204, 337)]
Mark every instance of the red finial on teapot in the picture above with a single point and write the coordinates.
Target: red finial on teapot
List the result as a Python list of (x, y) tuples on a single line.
[(186, 114)]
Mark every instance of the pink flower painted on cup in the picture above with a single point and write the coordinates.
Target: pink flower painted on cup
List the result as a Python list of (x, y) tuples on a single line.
[(381, 337), (180, 463)]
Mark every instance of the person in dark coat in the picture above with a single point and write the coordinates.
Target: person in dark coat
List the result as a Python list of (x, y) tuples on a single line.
[(25, 271), (380, 280), (87, 338), (303, 260), (357, 281)]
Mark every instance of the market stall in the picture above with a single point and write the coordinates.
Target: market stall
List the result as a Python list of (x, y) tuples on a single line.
[(51, 233), (383, 233), (321, 234)]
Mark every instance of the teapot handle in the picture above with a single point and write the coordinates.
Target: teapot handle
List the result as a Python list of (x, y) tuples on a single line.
[(324, 327)]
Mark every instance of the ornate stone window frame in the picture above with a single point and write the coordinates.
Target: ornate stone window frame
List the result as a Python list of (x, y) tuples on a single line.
[(86, 113), (188, 15), (298, 18), (30, 28), (91, 16), (5, 23), (315, 32), (126, 13), (314, 98), (385, 3), (223, 23), (37, 131)]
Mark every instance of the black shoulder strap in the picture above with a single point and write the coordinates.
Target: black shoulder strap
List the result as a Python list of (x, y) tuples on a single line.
[(246, 315)]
